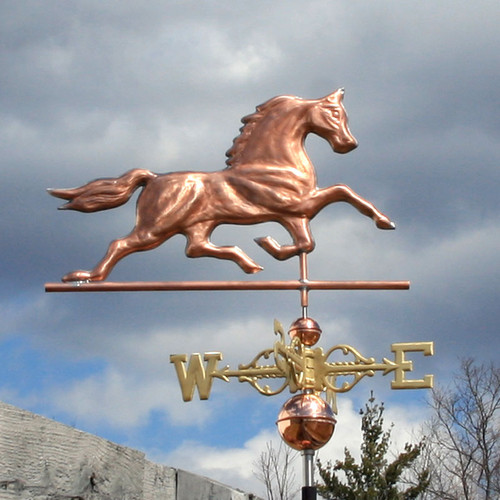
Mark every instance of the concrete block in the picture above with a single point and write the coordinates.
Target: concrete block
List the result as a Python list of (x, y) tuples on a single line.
[(42, 459), (193, 487)]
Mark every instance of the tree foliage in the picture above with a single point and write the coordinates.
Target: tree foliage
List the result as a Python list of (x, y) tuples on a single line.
[(375, 477), (463, 436)]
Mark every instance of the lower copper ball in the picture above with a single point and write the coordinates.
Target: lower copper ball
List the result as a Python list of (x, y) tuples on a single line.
[(306, 422)]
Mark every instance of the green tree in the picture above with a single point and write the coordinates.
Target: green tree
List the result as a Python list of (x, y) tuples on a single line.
[(375, 477)]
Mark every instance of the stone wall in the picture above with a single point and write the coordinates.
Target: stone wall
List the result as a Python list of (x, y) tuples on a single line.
[(42, 459)]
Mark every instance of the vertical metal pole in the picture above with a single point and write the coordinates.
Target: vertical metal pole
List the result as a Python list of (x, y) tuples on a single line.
[(308, 490), (304, 292)]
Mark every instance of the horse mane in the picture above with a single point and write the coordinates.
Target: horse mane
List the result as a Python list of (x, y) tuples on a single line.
[(250, 123)]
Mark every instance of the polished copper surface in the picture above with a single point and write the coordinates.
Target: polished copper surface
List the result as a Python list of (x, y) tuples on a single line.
[(306, 422), (304, 277), (179, 286), (306, 330), (268, 177)]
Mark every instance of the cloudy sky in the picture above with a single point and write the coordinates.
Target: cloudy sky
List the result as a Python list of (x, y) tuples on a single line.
[(92, 89)]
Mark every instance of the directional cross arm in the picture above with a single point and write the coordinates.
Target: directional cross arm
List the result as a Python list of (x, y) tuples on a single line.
[(257, 372), (301, 368)]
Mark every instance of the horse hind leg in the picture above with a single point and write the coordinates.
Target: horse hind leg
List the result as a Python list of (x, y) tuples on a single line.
[(199, 245), (117, 250)]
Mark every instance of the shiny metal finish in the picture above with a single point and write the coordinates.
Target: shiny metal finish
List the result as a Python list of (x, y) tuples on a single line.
[(308, 467), (306, 422), (306, 330), (299, 368), (304, 278), (180, 286), (268, 177)]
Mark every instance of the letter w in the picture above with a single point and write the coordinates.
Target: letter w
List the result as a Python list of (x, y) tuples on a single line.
[(196, 375)]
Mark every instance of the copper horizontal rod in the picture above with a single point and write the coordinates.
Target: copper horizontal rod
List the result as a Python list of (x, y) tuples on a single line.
[(154, 286)]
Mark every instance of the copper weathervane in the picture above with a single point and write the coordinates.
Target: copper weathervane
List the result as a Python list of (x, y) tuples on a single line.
[(268, 177)]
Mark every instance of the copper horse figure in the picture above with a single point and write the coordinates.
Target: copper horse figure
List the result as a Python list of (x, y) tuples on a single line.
[(268, 177)]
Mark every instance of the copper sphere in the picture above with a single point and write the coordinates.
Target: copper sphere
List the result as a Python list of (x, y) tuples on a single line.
[(306, 329), (306, 422)]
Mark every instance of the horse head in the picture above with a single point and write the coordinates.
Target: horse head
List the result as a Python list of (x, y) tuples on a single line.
[(328, 119)]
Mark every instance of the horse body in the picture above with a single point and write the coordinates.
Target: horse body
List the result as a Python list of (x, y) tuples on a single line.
[(268, 177)]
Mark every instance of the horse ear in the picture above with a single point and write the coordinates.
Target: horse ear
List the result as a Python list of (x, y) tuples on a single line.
[(336, 96)]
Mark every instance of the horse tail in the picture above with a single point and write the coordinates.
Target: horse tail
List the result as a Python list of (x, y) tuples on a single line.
[(103, 194)]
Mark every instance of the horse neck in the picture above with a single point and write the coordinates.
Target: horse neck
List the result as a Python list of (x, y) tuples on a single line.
[(278, 140)]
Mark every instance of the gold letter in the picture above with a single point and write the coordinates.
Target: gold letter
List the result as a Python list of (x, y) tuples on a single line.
[(196, 374), (403, 365)]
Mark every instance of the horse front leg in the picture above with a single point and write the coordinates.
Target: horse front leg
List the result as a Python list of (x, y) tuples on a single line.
[(199, 245), (341, 192), (299, 230)]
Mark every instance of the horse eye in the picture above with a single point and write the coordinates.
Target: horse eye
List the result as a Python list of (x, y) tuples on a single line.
[(334, 112)]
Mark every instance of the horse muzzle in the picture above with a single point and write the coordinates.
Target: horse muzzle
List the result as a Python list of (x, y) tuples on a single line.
[(346, 146)]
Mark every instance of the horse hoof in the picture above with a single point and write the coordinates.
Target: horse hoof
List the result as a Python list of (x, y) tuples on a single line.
[(385, 224), (270, 245), (263, 241), (255, 269), (77, 276)]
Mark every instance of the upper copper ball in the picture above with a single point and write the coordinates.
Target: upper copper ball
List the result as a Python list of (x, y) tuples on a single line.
[(306, 329), (306, 422)]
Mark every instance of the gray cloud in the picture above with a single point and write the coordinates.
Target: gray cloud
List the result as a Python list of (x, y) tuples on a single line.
[(92, 90)]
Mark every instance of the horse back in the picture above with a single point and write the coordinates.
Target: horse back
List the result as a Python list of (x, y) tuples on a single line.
[(233, 196)]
